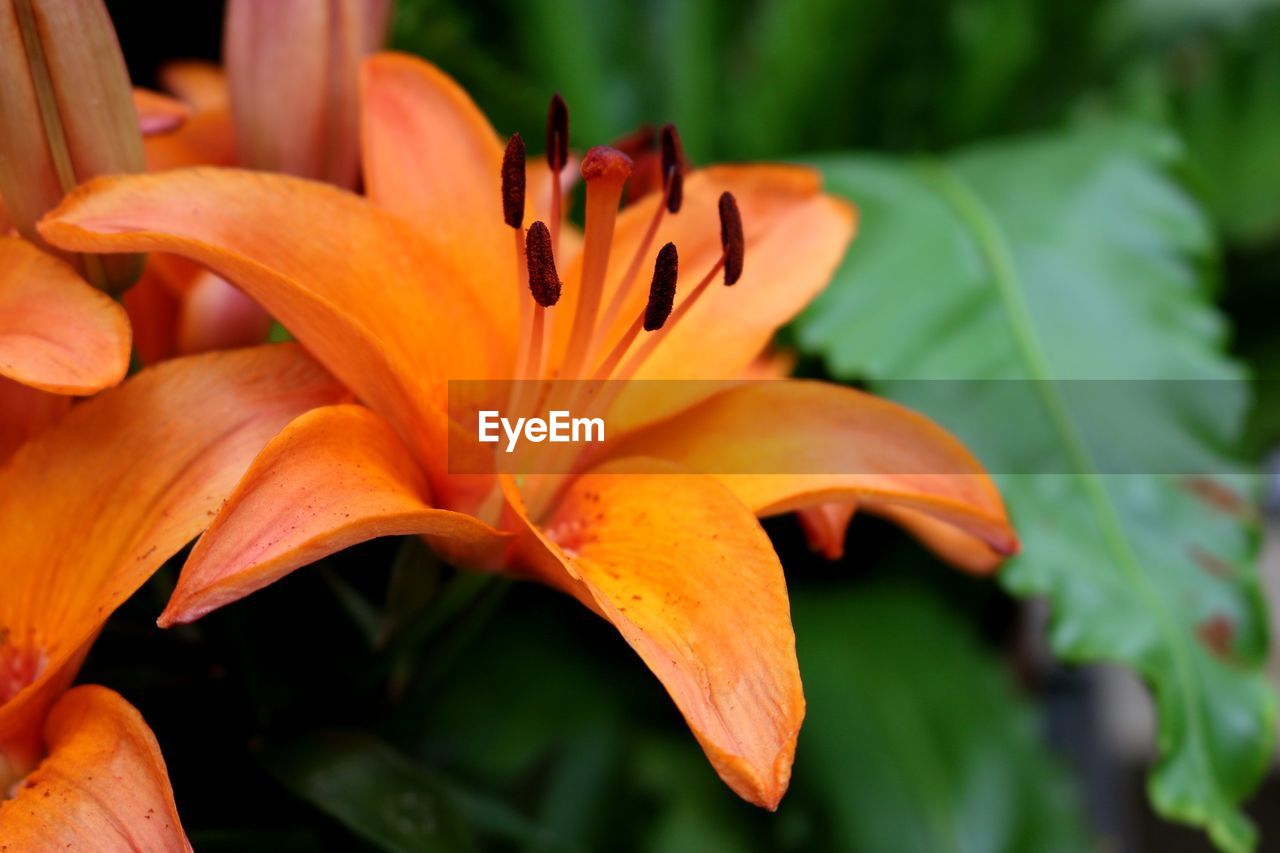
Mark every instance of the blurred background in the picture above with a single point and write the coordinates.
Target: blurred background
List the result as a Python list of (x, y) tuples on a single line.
[(1124, 156)]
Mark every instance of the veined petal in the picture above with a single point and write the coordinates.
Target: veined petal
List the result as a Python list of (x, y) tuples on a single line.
[(949, 542), (795, 238), (781, 446), (292, 67), (103, 786), (24, 412), (95, 503), (682, 569), (57, 332), (334, 477), (432, 157), (379, 308)]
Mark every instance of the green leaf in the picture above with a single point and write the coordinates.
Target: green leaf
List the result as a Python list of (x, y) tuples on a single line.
[(1074, 256), (372, 789), (914, 738)]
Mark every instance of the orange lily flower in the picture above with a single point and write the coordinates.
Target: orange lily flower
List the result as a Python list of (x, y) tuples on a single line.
[(422, 283), (89, 509)]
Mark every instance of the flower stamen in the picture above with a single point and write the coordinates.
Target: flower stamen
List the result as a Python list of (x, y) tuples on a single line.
[(731, 238), (662, 294), (672, 168), (557, 157), (732, 247), (513, 182), (545, 286)]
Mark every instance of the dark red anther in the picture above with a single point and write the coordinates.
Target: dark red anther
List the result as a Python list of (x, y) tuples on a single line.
[(544, 284), (672, 167), (672, 151), (731, 239), (662, 293), (675, 192), (513, 178), (557, 133)]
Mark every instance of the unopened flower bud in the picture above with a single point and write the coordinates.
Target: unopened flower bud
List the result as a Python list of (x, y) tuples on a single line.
[(66, 115), (292, 67)]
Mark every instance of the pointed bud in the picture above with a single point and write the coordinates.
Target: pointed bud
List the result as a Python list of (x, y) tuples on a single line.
[(513, 182), (557, 133), (731, 238), (662, 292), (292, 68), (66, 115), (544, 283)]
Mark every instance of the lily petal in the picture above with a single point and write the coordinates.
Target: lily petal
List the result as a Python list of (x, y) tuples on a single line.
[(24, 412), (825, 526), (781, 446), (680, 566), (206, 138), (158, 113), (201, 85), (432, 157), (95, 503), (948, 542), (384, 312), (153, 313), (334, 477), (57, 332), (795, 238), (103, 786)]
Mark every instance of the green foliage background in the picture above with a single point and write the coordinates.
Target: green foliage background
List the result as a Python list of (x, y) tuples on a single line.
[(1048, 191)]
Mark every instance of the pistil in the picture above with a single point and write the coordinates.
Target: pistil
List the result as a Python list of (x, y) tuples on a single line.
[(605, 170)]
